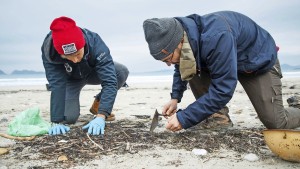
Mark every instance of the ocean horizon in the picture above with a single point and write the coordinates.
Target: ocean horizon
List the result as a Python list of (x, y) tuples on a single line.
[(40, 79)]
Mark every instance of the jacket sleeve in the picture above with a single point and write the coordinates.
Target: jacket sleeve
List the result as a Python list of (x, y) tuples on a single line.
[(178, 86), (221, 59), (56, 77), (105, 69)]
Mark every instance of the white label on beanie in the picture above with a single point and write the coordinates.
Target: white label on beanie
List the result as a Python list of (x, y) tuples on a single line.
[(69, 48)]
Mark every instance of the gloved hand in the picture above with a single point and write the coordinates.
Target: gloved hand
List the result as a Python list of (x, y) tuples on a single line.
[(96, 126), (58, 129)]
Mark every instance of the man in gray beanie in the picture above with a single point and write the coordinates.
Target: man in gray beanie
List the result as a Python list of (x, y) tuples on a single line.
[(164, 33), (212, 53)]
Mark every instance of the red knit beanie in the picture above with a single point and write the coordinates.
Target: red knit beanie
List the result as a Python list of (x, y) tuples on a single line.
[(67, 37)]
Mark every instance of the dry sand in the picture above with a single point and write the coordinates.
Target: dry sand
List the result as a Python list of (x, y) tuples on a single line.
[(143, 99)]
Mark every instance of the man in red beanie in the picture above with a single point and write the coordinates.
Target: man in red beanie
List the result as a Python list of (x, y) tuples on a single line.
[(73, 57)]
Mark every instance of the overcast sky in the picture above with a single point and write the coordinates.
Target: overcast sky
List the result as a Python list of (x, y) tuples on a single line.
[(25, 23)]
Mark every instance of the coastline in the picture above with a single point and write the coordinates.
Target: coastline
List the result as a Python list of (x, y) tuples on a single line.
[(40, 79)]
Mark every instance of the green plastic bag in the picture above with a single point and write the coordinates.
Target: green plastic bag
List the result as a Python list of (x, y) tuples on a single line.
[(28, 123)]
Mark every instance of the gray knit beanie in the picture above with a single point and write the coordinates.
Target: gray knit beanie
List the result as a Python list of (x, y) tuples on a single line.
[(163, 36)]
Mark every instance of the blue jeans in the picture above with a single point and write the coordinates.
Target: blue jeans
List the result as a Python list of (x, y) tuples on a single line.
[(72, 105)]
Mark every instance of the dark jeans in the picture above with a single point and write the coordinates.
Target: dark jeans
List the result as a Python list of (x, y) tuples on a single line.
[(72, 105), (265, 93)]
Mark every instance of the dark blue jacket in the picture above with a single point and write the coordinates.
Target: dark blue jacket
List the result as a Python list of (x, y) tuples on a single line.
[(225, 44), (96, 58)]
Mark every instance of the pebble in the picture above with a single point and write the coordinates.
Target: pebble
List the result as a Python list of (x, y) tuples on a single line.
[(214, 133), (251, 157), (4, 120), (4, 142), (199, 152)]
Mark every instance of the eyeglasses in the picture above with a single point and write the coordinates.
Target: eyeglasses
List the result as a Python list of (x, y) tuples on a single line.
[(169, 58)]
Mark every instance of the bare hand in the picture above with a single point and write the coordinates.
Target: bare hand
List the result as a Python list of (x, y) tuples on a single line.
[(170, 108), (173, 123)]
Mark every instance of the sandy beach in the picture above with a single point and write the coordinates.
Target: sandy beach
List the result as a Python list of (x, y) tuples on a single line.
[(141, 99)]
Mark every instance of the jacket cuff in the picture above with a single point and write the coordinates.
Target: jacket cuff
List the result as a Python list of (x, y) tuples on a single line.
[(104, 113), (185, 124), (176, 96)]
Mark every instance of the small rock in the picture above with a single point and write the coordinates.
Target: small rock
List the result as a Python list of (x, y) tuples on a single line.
[(214, 133), (201, 152), (4, 120), (4, 142), (251, 157)]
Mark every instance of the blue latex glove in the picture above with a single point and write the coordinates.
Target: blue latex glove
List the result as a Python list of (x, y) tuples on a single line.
[(58, 129), (96, 126)]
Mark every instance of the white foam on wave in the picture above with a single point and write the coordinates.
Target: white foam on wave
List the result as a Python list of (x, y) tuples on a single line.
[(27, 80), (23, 81), (43, 81)]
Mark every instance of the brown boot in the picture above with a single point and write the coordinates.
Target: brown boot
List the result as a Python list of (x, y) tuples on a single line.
[(217, 120), (94, 110), (95, 106), (111, 117)]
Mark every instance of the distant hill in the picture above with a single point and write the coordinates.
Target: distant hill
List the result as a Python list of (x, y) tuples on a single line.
[(289, 68), (2, 73), (21, 72)]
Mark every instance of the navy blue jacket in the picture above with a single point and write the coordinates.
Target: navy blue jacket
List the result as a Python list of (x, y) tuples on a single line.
[(96, 58), (224, 43)]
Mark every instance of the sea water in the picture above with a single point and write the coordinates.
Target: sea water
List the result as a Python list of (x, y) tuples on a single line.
[(40, 79)]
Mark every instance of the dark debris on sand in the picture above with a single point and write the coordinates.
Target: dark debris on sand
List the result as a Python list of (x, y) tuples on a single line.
[(126, 136)]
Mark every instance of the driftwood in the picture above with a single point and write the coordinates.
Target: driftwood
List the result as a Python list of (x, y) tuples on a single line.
[(17, 138), (101, 147)]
